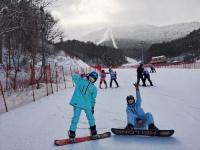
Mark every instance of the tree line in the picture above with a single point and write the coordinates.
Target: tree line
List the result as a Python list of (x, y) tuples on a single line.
[(93, 54), (188, 46)]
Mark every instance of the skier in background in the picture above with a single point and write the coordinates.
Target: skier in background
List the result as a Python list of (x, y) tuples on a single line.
[(147, 76), (84, 98), (113, 77), (152, 69), (135, 114), (140, 71), (103, 78)]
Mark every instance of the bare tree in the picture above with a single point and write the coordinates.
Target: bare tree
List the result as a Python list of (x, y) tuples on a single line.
[(27, 22)]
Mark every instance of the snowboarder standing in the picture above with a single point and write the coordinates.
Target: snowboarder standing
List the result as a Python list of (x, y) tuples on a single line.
[(147, 76), (113, 77), (135, 113), (140, 71), (84, 98), (103, 79)]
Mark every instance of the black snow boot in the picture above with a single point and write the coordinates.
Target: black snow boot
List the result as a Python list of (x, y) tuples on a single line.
[(71, 134), (144, 85), (153, 127), (93, 130), (129, 127)]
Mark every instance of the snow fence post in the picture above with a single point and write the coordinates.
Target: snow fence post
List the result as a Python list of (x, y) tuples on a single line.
[(46, 77), (3, 97), (71, 74), (56, 77), (50, 78), (64, 76), (33, 80)]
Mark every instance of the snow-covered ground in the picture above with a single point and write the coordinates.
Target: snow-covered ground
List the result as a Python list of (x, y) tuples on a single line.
[(174, 102)]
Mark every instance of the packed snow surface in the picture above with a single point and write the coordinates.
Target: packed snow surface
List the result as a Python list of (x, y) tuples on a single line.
[(173, 101)]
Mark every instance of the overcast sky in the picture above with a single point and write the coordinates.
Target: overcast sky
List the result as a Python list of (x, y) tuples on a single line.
[(78, 17)]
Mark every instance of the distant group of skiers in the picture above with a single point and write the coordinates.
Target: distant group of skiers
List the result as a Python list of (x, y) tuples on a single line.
[(113, 77), (143, 74)]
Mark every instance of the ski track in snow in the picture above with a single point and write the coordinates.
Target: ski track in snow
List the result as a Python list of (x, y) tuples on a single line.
[(174, 103)]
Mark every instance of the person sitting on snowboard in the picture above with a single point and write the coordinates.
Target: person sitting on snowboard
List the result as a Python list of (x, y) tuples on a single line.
[(135, 113), (83, 99)]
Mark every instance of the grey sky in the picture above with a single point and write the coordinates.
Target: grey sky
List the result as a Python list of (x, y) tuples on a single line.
[(81, 16)]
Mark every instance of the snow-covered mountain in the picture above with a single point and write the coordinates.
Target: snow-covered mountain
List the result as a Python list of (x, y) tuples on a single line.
[(147, 33)]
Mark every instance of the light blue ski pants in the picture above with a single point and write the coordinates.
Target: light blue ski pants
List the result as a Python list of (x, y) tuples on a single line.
[(148, 118), (76, 116)]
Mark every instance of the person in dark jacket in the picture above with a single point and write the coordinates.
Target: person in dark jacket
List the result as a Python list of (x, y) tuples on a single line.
[(140, 71)]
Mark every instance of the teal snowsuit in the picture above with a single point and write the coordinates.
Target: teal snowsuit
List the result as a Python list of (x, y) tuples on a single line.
[(84, 98), (135, 111)]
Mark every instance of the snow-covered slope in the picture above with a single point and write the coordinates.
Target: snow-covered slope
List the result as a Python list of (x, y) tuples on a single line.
[(100, 36), (108, 35), (62, 60), (131, 62), (174, 102), (149, 33)]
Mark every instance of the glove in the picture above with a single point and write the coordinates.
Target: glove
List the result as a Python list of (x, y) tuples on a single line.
[(92, 110), (136, 86), (83, 75), (139, 121)]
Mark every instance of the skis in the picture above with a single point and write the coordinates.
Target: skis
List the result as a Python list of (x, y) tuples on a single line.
[(160, 133), (61, 142)]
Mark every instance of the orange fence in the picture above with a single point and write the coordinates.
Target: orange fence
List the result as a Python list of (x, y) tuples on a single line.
[(22, 85), (181, 65)]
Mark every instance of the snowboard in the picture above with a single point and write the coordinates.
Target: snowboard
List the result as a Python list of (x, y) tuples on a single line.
[(61, 142), (160, 133)]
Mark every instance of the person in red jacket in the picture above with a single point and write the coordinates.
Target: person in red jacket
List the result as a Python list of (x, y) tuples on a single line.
[(103, 78)]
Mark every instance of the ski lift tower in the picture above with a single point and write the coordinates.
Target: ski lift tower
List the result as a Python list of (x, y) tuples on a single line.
[(142, 54)]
